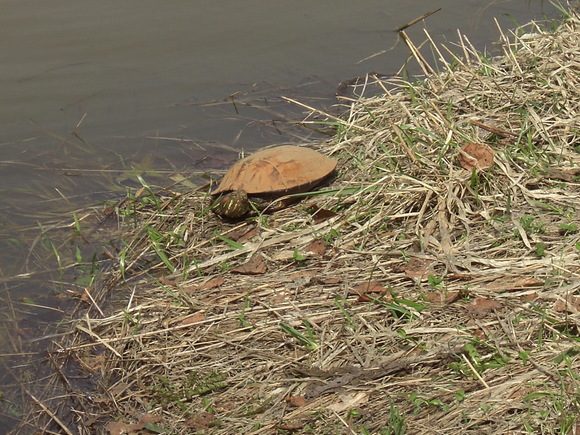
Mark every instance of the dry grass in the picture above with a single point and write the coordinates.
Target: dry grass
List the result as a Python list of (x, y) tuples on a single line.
[(434, 299)]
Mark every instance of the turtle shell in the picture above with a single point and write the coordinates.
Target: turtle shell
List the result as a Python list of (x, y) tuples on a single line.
[(277, 171)]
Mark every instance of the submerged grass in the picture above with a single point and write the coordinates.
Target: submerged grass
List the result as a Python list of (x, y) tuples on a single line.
[(421, 298)]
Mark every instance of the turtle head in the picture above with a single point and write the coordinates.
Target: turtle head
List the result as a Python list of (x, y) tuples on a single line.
[(232, 205)]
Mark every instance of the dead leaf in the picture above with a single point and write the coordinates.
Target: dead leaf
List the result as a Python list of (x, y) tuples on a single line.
[(476, 156), (213, 283), (482, 306), (349, 401), (316, 247), (509, 283), (169, 281), (529, 297), (302, 274), (208, 285), (438, 297), (571, 304), (453, 297), (150, 418), (194, 318), (119, 428), (417, 267), (248, 235), (320, 214), (435, 297), (478, 333), (291, 425), (372, 288), (296, 401), (254, 266), (201, 421), (461, 276), (243, 233)]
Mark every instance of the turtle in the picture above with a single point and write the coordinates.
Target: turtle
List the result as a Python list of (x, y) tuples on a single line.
[(267, 175)]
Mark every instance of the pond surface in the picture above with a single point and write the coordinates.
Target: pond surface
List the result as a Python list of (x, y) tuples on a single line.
[(91, 91)]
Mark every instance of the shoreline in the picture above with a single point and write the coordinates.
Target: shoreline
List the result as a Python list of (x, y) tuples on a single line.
[(428, 296)]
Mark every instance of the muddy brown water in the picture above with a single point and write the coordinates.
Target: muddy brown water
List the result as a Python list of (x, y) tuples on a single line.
[(90, 90)]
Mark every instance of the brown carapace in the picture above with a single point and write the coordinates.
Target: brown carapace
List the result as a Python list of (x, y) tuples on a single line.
[(268, 175)]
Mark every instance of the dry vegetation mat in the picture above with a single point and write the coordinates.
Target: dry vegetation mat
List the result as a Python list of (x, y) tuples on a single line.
[(432, 287)]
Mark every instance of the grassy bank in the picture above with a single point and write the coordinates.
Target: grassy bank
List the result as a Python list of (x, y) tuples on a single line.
[(421, 291)]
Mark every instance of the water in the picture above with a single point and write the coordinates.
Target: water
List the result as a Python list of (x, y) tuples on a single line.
[(90, 89)]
